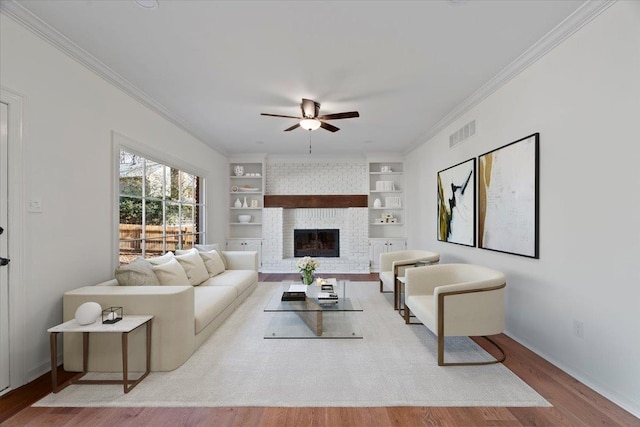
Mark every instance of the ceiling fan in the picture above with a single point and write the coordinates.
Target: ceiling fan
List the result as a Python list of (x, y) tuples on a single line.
[(310, 119)]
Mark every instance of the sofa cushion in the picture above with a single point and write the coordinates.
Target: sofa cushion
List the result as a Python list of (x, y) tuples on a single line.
[(240, 280), (213, 247), (213, 262), (170, 273), (137, 273), (161, 259), (193, 266), (209, 302)]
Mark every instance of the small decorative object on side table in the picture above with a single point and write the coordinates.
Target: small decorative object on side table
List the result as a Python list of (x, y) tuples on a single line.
[(112, 315)]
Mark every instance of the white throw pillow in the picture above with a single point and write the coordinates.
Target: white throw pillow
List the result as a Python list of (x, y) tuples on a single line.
[(213, 262), (171, 273), (161, 259), (137, 273), (213, 247), (193, 265)]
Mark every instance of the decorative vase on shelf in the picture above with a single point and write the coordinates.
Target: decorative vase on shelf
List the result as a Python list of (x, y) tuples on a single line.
[(245, 205), (238, 203), (307, 277), (377, 203), (238, 170)]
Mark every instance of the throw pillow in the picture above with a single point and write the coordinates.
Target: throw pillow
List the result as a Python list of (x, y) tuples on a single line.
[(213, 247), (137, 273), (170, 273), (161, 259), (193, 265), (213, 262)]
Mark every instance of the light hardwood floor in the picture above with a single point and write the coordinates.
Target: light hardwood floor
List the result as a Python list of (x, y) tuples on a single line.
[(574, 404)]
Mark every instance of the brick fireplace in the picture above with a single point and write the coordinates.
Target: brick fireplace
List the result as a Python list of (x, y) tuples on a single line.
[(316, 194)]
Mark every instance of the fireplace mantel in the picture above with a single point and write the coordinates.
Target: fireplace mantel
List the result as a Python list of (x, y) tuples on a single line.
[(316, 201)]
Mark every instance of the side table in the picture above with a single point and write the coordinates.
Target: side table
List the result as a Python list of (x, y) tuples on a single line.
[(128, 324)]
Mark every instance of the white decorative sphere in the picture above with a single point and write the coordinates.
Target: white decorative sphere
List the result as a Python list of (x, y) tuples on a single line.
[(88, 313)]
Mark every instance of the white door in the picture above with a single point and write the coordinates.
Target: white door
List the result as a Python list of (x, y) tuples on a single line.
[(235, 245), (376, 247), (254, 245), (396, 245), (4, 269)]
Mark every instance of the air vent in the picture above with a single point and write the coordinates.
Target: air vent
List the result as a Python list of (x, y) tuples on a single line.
[(462, 134)]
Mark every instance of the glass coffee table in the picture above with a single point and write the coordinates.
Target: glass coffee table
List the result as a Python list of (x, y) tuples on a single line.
[(312, 319)]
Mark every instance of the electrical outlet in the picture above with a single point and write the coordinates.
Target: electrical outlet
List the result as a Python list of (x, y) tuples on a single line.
[(578, 328)]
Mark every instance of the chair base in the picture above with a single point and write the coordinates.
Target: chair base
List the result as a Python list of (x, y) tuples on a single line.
[(441, 361), (383, 291)]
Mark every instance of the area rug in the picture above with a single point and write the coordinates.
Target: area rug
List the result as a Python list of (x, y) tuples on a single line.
[(392, 365)]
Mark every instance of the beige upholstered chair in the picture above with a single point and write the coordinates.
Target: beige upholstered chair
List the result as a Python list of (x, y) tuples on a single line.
[(457, 300), (393, 264)]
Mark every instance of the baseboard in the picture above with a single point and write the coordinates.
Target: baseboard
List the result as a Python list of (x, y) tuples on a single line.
[(621, 401), (41, 369)]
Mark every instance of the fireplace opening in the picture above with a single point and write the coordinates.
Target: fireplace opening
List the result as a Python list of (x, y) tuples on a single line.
[(316, 242)]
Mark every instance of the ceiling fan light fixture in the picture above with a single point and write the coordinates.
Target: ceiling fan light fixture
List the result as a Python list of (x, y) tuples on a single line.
[(310, 124)]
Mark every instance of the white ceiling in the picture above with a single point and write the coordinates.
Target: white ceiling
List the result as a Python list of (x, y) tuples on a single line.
[(214, 66)]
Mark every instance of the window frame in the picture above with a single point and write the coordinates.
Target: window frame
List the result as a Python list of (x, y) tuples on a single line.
[(121, 142)]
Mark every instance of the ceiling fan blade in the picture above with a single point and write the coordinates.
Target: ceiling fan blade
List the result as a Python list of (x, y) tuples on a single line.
[(279, 115), (330, 128), (297, 125), (337, 116)]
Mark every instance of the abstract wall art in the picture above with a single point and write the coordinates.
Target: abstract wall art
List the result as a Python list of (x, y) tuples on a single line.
[(508, 198), (457, 204)]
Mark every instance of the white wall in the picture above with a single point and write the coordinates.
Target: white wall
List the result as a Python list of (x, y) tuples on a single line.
[(584, 99), (69, 117)]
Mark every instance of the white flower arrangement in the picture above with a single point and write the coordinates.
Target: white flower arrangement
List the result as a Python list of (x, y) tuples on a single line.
[(307, 264)]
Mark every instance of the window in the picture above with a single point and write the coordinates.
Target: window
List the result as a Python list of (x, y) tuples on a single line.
[(159, 210)]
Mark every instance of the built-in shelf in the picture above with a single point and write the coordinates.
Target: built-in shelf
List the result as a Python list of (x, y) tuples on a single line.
[(245, 231), (386, 198)]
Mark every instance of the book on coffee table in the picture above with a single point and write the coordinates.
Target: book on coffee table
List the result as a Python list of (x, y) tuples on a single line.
[(293, 296)]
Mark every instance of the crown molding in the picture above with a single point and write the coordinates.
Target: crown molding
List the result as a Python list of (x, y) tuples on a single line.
[(579, 18), (37, 26)]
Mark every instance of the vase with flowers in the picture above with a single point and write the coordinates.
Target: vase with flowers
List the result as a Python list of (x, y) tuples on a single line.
[(307, 267)]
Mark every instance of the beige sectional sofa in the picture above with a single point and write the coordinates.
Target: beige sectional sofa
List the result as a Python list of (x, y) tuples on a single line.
[(184, 316)]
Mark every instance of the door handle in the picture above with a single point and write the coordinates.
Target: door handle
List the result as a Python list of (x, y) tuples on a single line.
[(4, 261)]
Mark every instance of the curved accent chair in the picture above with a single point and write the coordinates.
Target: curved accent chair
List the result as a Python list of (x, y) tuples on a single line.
[(394, 264), (457, 300)]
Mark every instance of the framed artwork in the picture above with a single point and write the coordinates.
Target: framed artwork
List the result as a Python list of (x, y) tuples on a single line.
[(508, 198), (457, 204)]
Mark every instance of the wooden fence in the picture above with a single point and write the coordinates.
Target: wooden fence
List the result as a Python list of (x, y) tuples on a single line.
[(131, 238)]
